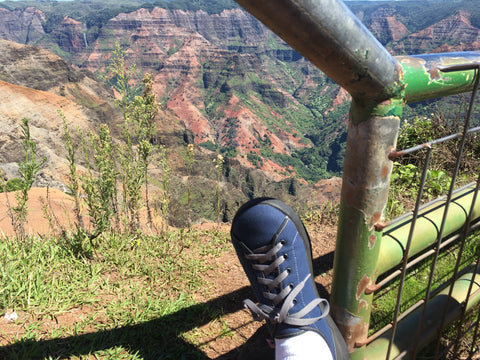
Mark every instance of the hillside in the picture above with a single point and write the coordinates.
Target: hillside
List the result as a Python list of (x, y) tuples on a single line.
[(233, 85), (35, 83)]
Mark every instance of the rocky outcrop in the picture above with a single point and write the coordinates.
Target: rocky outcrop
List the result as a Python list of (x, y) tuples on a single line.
[(386, 27), (33, 67), (69, 35), (201, 71), (35, 84), (38, 69), (24, 27)]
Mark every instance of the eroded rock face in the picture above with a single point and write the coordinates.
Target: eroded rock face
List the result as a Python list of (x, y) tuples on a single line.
[(38, 69), (194, 57), (35, 84), (386, 27), (438, 37), (69, 36), (22, 26), (33, 67), (222, 75)]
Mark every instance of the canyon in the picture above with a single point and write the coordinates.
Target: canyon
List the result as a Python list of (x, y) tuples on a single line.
[(227, 85)]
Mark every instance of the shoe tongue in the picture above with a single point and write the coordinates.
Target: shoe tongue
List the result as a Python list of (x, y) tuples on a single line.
[(256, 226)]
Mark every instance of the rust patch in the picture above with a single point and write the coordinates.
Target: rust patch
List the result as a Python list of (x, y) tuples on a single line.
[(376, 217), (434, 73), (393, 154), (384, 171), (371, 288), (371, 241), (362, 285), (362, 304), (352, 327), (379, 226)]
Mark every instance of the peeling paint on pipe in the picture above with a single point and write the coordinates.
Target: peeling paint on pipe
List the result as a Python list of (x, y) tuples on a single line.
[(424, 79), (372, 133)]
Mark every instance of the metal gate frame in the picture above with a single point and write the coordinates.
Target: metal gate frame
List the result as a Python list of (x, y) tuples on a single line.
[(330, 36)]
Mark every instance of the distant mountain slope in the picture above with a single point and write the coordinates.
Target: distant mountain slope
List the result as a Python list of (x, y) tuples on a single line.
[(237, 87)]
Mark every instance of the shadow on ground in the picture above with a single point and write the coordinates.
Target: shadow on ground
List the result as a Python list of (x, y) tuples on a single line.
[(159, 338)]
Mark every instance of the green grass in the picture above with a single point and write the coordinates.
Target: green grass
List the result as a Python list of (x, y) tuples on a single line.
[(138, 300)]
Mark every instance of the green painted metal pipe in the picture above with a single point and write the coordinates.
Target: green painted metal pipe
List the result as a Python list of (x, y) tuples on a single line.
[(407, 328), (395, 237), (372, 132), (424, 79)]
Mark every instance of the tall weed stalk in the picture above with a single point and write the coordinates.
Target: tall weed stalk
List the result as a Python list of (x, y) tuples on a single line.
[(139, 114), (28, 170), (219, 162), (100, 187), (74, 181), (166, 184), (189, 161)]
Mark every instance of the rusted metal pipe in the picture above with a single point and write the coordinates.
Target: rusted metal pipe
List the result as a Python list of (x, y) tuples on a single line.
[(372, 132), (332, 38)]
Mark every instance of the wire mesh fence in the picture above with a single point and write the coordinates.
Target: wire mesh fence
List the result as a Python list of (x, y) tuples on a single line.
[(436, 284)]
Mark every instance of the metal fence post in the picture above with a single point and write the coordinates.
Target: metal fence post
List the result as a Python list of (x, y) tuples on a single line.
[(372, 134)]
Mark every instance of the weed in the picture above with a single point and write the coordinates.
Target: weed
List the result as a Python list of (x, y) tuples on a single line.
[(139, 114), (14, 184), (28, 170), (327, 213), (219, 162), (74, 182), (146, 109), (189, 161), (49, 214)]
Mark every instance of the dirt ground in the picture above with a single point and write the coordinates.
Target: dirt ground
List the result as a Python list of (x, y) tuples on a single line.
[(228, 285)]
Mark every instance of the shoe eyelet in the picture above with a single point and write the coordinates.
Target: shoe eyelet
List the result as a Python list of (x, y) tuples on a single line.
[(285, 256), (289, 271), (283, 242), (291, 286), (294, 302)]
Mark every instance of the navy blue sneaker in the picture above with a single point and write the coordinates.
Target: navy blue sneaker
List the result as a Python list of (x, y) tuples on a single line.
[(274, 248)]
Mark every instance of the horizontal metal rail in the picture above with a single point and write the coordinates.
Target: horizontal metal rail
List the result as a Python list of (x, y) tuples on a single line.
[(426, 230), (418, 259), (430, 76), (408, 326)]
